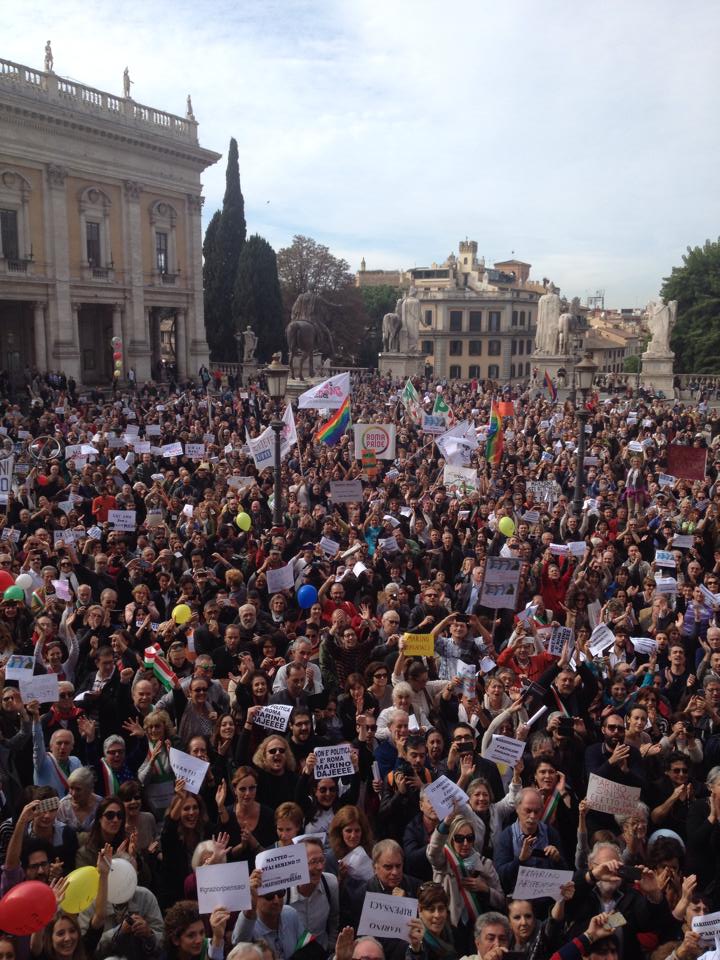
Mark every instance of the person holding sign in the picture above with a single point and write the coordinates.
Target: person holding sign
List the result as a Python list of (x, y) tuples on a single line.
[(528, 842), (269, 919), (185, 825), (431, 937)]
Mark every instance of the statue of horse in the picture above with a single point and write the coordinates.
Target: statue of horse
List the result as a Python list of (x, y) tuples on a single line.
[(308, 330), (391, 325)]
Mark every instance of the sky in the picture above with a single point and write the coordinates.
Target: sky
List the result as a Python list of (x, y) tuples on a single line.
[(581, 138)]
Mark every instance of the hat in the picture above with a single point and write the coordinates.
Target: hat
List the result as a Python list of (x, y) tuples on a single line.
[(664, 832), (308, 546), (203, 466)]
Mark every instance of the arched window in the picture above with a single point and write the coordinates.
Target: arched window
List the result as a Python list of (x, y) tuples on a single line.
[(15, 246), (163, 219), (95, 207)]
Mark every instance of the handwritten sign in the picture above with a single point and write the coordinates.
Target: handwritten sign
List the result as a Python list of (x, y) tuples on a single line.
[(419, 644), (504, 750), (601, 638), (195, 450), (606, 796), (189, 769), (532, 883), (122, 519), (275, 716), (223, 885), (283, 867), (443, 794), (42, 688), (283, 578), (334, 761), (346, 491), (387, 916), (172, 450), (559, 636)]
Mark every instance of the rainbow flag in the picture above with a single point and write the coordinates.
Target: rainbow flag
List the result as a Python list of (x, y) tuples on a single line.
[(494, 445), (550, 387), (335, 427)]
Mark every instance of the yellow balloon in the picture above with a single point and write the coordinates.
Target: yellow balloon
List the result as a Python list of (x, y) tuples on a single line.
[(506, 526), (182, 614), (243, 521), (82, 889)]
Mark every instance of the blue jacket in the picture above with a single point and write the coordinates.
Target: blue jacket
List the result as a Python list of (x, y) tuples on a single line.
[(507, 864)]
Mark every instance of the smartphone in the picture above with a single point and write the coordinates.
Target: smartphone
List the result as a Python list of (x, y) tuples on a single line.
[(50, 803), (630, 873), (465, 748), (616, 920)]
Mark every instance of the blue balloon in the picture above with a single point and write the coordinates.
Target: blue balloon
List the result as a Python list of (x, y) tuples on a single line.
[(307, 596)]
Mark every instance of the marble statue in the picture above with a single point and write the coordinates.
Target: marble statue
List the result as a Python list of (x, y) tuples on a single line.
[(127, 83), (49, 60), (309, 330), (410, 322), (250, 342), (660, 320), (564, 328), (391, 326), (189, 115), (547, 335)]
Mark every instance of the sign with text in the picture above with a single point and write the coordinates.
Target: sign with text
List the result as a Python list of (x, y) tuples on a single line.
[(274, 717), (43, 688), (334, 761), (419, 644), (122, 519), (283, 867), (533, 884), (346, 491), (379, 438), (443, 795), (464, 478), (223, 885), (558, 638), (282, 578), (386, 916), (190, 769), (504, 750), (500, 585), (606, 796)]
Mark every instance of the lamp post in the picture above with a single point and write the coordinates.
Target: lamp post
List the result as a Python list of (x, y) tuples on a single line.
[(276, 376), (584, 374)]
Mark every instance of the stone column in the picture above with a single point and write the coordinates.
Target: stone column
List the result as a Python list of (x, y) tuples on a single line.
[(181, 343), (66, 351), (137, 347), (41, 345), (117, 325), (197, 348)]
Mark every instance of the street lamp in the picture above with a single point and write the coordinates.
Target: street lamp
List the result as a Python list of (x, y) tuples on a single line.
[(276, 376), (584, 374)]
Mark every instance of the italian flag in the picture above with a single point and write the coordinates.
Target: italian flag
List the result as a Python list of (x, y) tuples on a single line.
[(155, 661)]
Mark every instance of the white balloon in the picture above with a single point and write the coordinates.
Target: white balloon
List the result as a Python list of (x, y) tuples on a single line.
[(122, 881), (24, 581)]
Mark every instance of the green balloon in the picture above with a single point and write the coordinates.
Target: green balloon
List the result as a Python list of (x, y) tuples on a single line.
[(14, 593)]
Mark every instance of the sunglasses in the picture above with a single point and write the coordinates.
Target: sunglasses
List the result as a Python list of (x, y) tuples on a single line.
[(275, 895), (275, 750), (200, 689), (465, 837), (113, 815)]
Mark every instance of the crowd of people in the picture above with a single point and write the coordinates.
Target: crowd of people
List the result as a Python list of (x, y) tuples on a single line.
[(146, 580)]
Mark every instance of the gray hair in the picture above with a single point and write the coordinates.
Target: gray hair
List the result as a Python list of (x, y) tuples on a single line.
[(395, 713), (604, 845), (205, 846), (245, 951), (524, 792), (490, 919), (713, 777), (83, 777), (111, 741), (386, 846), (641, 810), (62, 730), (361, 940), (402, 689)]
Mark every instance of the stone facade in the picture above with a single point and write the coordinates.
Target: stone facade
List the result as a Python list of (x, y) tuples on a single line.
[(100, 199)]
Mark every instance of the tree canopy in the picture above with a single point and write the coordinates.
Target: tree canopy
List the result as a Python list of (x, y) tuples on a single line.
[(257, 301), (696, 286)]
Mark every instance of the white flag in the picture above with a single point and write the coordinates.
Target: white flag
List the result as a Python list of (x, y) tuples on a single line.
[(289, 433), (328, 395), (262, 448)]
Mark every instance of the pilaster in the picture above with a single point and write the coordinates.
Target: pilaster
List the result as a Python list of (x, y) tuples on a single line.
[(181, 340), (137, 348), (198, 352)]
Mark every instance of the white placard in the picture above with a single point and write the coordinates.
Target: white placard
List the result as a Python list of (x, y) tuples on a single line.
[(607, 796), (594, 610), (644, 645), (378, 438), (466, 672), (190, 769), (19, 667), (346, 491), (500, 584), (282, 578), (712, 598), (122, 519), (388, 545), (10, 534), (665, 585), (358, 864), (504, 750), (95, 533), (386, 916), (577, 548), (601, 638), (708, 926), (330, 547), (274, 717), (62, 589), (141, 446), (359, 569), (188, 510), (531, 516), (487, 664), (153, 430), (683, 541), (172, 450), (666, 480), (533, 883), (465, 478), (560, 549), (664, 558), (558, 638), (43, 688), (283, 867), (443, 794), (334, 761), (196, 451), (223, 885)]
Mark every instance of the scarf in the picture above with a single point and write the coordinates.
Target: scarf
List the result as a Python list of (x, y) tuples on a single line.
[(111, 784), (56, 718), (457, 867), (550, 808), (160, 767), (441, 947), (518, 836), (62, 776)]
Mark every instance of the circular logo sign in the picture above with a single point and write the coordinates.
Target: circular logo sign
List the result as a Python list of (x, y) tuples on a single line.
[(376, 439)]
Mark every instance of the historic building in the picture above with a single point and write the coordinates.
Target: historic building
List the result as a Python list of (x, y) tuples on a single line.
[(100, 228), (477, 321)]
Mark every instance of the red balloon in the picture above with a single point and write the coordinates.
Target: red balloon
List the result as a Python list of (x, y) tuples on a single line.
[(6, 580), (27, 907), (117, 356), (42, 480)]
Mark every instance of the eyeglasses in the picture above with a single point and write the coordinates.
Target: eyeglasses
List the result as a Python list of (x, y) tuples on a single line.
[(113, 815), (465, 837), (380, 676), (275, 895), (200, 689), (327, 789), (316, 862), (251, 789), (614, 727), (679, 770), (275, 750), (42, 865)]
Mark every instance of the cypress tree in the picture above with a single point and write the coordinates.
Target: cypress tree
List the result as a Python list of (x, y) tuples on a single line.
[(210, 282), (257, 300)]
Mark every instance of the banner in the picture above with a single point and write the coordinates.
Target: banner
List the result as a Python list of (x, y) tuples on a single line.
[(377, 438), (463, 477), (6, 475), (328, 395), (457, 444), (686, 462), (262, 448)]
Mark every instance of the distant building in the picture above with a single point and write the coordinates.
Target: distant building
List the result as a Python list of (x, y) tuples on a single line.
[(613, 336), (100, 229)]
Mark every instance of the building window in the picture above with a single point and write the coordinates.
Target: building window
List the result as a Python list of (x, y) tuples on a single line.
[(527, 369), (514, 318), (474, 372), (494, 321), (455, 321), (522, 318), (475, 348), (494, 371), (475, 321), (161, 251), (528, 347), (92, 243), (521, 345), (513, 347), (454, 372), (428, 318), (9, 239), (512, 371), (427, 347), (494, 348), (456, 348)]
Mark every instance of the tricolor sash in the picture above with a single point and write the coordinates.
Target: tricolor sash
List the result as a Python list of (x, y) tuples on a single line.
[(457, 868)]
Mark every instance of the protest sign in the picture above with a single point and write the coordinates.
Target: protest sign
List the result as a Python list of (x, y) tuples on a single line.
[(122, 519), (419, 644), (346, 491), (664, 558), (196, 451), (466, 672), (330, 547), (378, 438), (434, 423), (504, 750), (274, 717), (464, 478), (558, 638), (533, 883), (644, 645), (487, 664), (358, 864), (19, 667), (500, 585), (189, 769), (223, 885), (577, 548), (334, 761), (172, 450), (560, 549), (388, 545), (10, 534), (665, 585), (713, 599), (601, 638), (683, 541), (686, 462), (282, 578), (708, 926), (443, 795), (43, 688), (594, 609), (282, 867), (62, 589), (606, 796), (544, 491), (531, 516), (386, 916)]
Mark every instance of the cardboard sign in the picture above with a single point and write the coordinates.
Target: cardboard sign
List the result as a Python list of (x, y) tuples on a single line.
[(533, 884), (504, 750), (334, 761), (443, 795), (387, 916), (606, 796), (531, 516), (419, 644), (223, 885), (346, 491), (274, 717), (122, 519), (283, 867), (189, 769), (43, 688), (283, 578)]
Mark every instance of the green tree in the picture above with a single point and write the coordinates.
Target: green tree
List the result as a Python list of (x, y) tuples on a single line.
[(377, 301), (222, 254), (696, 287), (631, 364), (257, 301)]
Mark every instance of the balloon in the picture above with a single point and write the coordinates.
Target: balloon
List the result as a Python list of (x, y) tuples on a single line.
[(82, 889), (506, 526), (122, 881), (243, 521), (6, 580), (182, 614), (117, 356), (42, 480), (24, 581), (14, 593), (27, 907), (307, 596)]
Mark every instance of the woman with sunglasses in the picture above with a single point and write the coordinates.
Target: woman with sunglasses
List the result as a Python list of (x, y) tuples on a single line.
[(431, 937), (138, 822), (108, 828), (275, 764), (377, 677), (251, 825)]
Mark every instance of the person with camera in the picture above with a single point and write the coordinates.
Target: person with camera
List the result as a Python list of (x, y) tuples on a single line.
[(528, 842)]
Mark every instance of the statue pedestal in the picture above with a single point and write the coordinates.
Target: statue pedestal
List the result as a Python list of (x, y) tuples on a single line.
[(401, 365), (559, 368), (250, 371), (657, 373), (296, 387)]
